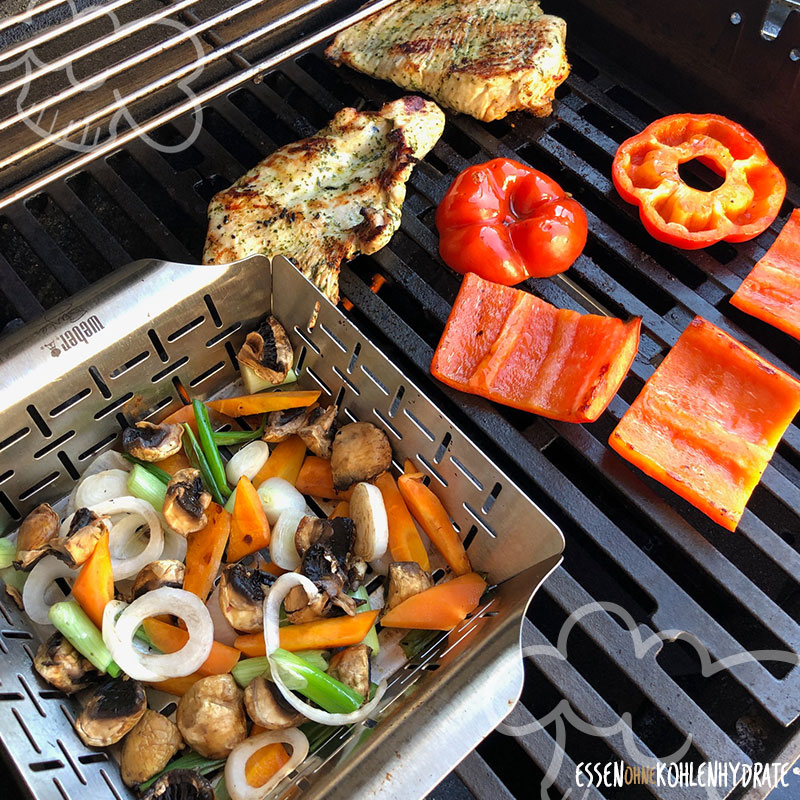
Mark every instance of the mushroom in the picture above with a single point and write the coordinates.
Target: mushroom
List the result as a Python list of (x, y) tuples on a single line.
[(36, 533), (318, 430), (360, 452), (351, 666), (148, 748), (241, 596), (165, 572), (211, 716), (268, 351), (406, 578), (113, 709), (308, 532), (150, 442), (180, 784), (62, 666), (282, 424), (79, 543), (266, 707), (186, 502)]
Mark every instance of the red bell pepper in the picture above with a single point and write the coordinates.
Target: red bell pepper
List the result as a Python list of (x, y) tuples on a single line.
[(512, 347), (771, 291), (708, 421), (507, 222), (645, 172)]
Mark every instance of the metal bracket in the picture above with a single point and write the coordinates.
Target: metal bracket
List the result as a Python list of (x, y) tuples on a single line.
[(775, 18)]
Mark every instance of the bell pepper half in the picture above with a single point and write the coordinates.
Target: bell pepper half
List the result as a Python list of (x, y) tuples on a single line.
[(507, 222), (645, 172), (708, 421), (771, 292), (511, 347)]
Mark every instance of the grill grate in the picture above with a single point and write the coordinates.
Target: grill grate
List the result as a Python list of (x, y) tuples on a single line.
[(630, 541)]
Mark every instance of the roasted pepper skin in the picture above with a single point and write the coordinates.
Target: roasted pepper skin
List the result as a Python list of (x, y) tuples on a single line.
[(507, 222), (645, 173)]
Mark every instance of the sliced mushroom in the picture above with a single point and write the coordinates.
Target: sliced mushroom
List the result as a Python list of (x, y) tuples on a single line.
[(62, 666), (211, 716), (15, 595), (241, 596), (318, 430), (268, 351), (36, 533), (282, 424), (150, 442), (299, 610), (148, 748), (165, 572), (186, 502), (113, 709), (360, 452), (308, 532), (406, 578), (180, 784), (351, 666), (266, 707), (84, 531)]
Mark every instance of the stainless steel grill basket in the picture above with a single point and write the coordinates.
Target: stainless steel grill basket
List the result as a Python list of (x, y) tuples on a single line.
[(119, 351)]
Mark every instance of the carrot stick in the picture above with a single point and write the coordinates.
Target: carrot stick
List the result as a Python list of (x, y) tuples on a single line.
[(315, 478), (317, 635), (178, 686), (434, 520), (264, 763), (405, 543), (262, 403), (283, 462), (249, 525), (169, 639), (342, 510), (204, 552), (94, 586), (440, 607)]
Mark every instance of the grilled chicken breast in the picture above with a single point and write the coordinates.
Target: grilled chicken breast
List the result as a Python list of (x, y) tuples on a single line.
[(480, 57), (325, 199)]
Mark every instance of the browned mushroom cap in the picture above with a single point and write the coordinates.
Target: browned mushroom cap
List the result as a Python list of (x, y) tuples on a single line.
[(266, 707), (36, 533), (150, 442), (186, 502), (282, 424), (79, 543), (180, 784), (360, 452), (406, 578), (351, 666), (268, 351), (62, 666), (148, 748), (113, 709), (165, 572), (241, 596), (308, 532), (318, 430)]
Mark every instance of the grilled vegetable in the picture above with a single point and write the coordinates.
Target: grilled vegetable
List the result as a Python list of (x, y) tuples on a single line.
[(267, 708), (405, 543), (36, 533), (283, 424), (186, 502), (71, 621), (165, 572), (249, 524), (372, 526), (406, 578), (148, 748), (361, 452), (263, 403), (247, 462), (84, 530), (315, 478), (94, 586), (180, 784), (241, 596), (205, 433), (268, 351), (319, 429), (204, 552), (147, 485), (351, 666), (284, 461), (259, 764), (150, 442), (113, 709), (62, 666)]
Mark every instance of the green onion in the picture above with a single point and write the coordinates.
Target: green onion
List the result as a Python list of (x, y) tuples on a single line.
[(191, 760), (255, 384), (248, 668), (69, 618), (371, 639), (328, 693), (317, 734), (198, 461), (8, 551), (231, 502), (210, 450), (153, 469), (415, 642), (221, 789), (146, 486), (14, 577), (239, 437)]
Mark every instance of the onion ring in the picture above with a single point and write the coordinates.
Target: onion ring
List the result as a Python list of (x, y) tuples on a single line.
[(282, 548), (105, 485), (39, 581)]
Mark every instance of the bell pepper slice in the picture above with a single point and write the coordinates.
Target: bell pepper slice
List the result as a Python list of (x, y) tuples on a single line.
[(645, 172), (511, 347), (708, 420), (771, 292)]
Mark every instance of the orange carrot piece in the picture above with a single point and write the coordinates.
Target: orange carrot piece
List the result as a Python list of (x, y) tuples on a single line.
[(440, 607), (174, 463), (262, 403), (434, 520), (320, 634), (284, 461), (178, 686), (405, 543), (249, 525), (342, 510), (273, 569), (170, 639), (315, 478), (94, 586), (184, 415), (204, 552), (264, 763)]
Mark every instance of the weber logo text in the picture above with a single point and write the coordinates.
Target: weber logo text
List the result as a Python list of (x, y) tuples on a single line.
[(79, 333)]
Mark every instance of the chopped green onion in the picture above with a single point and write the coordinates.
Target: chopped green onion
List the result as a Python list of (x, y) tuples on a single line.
[(14, 577), (254, 384), (191, 760), (69, 618), (146, 486), (317, 734), (239, 437), (153, 469), (198, 461), (8, 551), (371, 639), (206, 432), (329, 694), (248, 668)]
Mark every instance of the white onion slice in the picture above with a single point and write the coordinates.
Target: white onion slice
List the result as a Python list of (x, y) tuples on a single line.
[(235, 778), (174, 545), (118, 634), (224, 632), (39, 581), (124, 540), (282, 549), (105, 485), (277, 496), (368, 512), (272, 607), (110, 459), (247, 461)]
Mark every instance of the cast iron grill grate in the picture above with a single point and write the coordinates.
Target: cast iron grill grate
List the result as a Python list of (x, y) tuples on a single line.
[(630, 541)]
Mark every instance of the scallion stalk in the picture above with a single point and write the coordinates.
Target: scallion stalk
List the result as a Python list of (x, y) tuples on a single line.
[(239, 437), (371, 639), (153, 469), (206, 435), (146, 486), (71, 620), (198, 461), (8, 551), (248, 668)]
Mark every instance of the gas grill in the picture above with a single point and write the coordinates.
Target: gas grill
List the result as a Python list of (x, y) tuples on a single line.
[(638, 559)]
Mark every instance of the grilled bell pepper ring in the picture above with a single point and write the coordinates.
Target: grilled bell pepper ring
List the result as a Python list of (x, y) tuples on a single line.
[(645, 172), (508, 222)]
